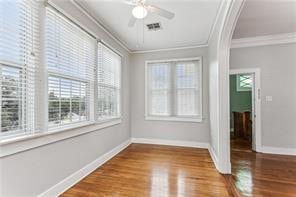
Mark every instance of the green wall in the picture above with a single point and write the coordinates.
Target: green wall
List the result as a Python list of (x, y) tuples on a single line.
[(239, 101)]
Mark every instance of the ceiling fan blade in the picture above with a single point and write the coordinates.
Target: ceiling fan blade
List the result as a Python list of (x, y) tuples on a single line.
[(132, 22), (130, 2), (161, 12)]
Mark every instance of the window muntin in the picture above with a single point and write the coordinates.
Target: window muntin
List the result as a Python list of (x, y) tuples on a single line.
[(174, 89), (109, 83), (19, 48), (244, 82), (70, 58)]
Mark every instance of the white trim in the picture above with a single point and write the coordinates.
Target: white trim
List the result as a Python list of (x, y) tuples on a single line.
[(192, 144), (99, 24), (30, 141), (172, 118), (174, 60), (213, 156), (264, 40), (256, 105), (277, 150), (71, 180), (169, 49), (215, 22), (232, 10)]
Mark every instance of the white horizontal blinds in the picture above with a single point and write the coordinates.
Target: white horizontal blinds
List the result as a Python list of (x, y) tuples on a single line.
[(109, 79), (174, 89), (18, 60), (70, 58), (187, 88), (159, 89)]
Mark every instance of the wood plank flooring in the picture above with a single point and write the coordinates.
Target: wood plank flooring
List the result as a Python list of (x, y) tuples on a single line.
[(156, 171), (258, 174), (165, 171)]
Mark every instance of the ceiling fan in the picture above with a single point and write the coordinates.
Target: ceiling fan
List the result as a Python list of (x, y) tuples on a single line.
[(141, 10)]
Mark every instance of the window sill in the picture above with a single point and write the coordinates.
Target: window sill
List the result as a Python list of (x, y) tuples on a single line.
[(174, 119), (28, 141)]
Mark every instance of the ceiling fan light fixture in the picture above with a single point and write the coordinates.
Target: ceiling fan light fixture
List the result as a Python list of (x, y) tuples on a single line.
[(139, 12)]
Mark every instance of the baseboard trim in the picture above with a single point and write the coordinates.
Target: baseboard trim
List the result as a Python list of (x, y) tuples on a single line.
[(71, 180), (170, 142), (278, 151)]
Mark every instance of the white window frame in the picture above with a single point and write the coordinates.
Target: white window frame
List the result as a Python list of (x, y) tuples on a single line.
[(174, 118)]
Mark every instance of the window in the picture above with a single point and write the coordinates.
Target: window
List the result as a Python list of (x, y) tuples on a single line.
[(244, 82), (18, 54), (70, 58), (109, 79), (76, 82), (174, 90)]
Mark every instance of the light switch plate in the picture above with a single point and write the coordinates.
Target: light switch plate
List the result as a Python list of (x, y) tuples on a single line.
[(268, 98)]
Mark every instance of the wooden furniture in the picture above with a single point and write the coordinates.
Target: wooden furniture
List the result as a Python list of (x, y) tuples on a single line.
[(243, 125)]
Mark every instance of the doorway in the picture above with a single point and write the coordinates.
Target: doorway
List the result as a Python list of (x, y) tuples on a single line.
[(245, 125)]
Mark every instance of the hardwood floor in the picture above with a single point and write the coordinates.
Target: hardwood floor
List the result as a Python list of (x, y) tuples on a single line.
[(258, 174), (156, 171)]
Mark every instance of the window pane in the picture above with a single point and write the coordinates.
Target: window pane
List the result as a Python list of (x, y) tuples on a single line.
[(186, 105), (186, 75), (159, 89), (186, 88), (159, 102), (11, 99), (67, 101), (245, 81), (108, 102), (109, 71), (160, 76)]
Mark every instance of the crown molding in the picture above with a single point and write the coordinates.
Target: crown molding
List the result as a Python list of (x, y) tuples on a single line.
[(216, 21), (99, 24), (264, 40), (169, 49)]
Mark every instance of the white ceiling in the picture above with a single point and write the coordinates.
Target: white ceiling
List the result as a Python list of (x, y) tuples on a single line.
[(266, 17), (191, 26)]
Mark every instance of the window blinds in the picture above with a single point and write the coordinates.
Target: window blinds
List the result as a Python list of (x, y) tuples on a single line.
[(70, 58), (174, 88), (18, 59), (109, 82), (159, 89)]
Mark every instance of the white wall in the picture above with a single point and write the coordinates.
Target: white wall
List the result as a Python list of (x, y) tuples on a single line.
[(278, 79), (166, 130), (31, 172)]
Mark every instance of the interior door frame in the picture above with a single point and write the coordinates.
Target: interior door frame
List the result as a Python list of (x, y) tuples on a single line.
[(256, 105)]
